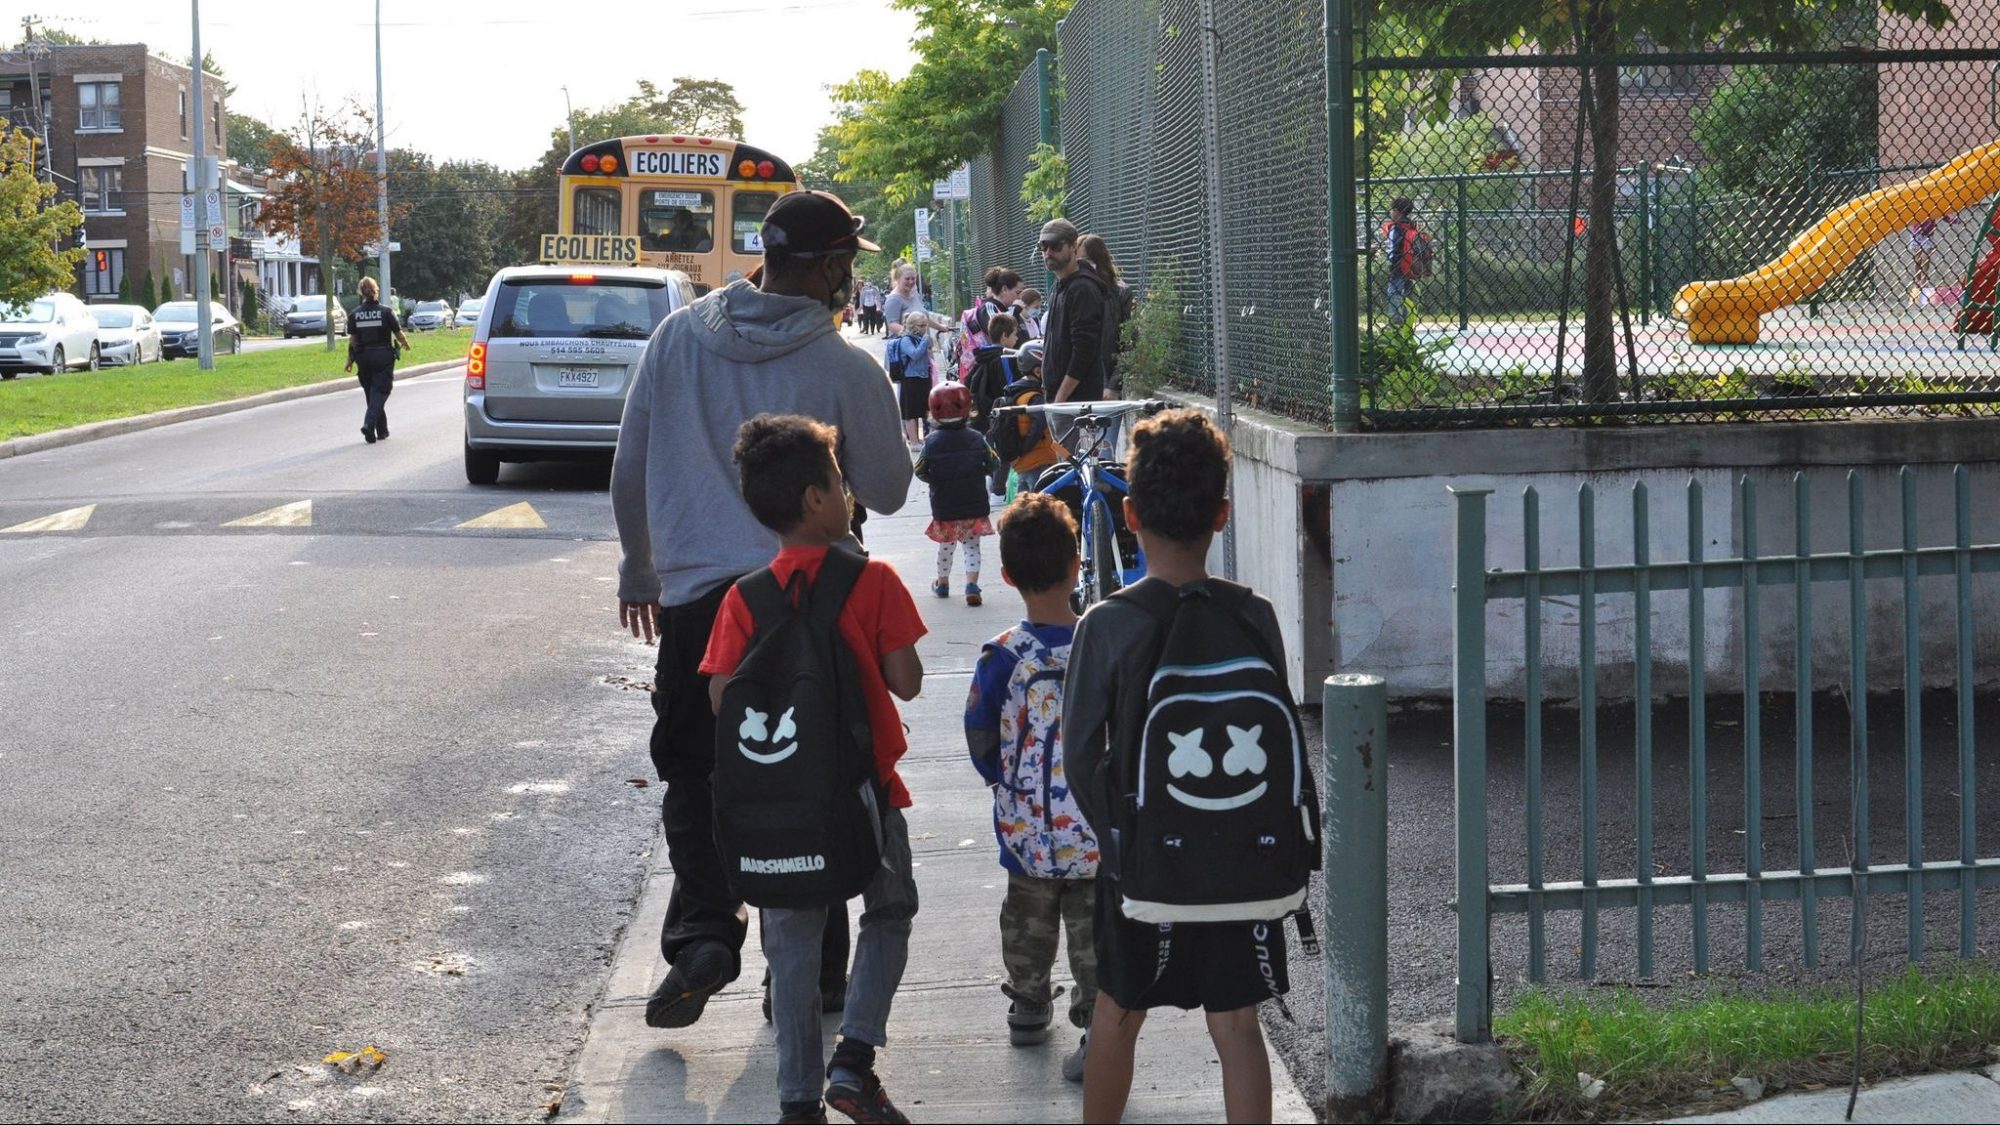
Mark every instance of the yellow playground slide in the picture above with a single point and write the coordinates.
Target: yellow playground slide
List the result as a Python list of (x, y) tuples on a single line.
[(1728, 312)]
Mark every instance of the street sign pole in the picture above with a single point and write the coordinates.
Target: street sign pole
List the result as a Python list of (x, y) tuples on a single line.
[(382, 160), (204, 332)]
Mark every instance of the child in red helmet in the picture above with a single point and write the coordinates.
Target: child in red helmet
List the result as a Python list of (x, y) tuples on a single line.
[(955, 463)]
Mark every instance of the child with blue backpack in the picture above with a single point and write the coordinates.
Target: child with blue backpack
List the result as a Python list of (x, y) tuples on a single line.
[(908, 357), (1013, 729)]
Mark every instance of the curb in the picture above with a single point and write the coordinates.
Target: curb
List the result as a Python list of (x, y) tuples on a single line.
[(113, 427)]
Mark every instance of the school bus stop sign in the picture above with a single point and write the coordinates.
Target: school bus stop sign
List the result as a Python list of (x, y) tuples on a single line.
[(591, 249)]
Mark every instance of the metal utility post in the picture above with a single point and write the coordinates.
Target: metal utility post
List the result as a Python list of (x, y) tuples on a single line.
[(1356, 838), (204, 332), (1341, 234), (569, 119), (381, 161), (1218, 274)]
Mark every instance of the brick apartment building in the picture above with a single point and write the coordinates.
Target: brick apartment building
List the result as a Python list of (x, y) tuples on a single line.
[(120, 122)]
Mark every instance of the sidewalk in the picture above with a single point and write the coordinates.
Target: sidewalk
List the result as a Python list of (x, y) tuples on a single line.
[(949, 1059), (1965, 1097)]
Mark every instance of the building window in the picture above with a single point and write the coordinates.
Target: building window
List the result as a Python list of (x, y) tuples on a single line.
[(102, 271), (98, 106), (1658, 81), (102, 188), (184, 114)]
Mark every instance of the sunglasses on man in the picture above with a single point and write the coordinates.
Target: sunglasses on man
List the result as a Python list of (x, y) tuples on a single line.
[(1045, 247)]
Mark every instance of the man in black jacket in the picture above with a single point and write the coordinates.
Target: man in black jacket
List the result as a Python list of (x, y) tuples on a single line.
[(1082, 331)]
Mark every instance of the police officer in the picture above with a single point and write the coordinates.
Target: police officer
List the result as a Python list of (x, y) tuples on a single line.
[(373, 338)]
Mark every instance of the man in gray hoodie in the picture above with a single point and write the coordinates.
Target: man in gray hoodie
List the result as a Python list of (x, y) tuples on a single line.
[(768, 347)]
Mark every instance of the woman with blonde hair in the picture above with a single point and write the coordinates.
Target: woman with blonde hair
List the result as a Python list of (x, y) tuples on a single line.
[(373, 338)]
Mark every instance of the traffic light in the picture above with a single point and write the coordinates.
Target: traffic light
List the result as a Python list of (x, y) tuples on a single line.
[(103, 261)]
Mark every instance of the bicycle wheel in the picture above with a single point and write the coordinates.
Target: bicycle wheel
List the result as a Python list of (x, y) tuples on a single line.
[(1107, 576)]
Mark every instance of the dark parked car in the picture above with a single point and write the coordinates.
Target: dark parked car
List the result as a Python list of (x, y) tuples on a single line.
[(308, 317), (178, 331)]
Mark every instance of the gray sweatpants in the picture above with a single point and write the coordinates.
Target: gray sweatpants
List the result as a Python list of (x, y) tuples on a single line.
[(791, 949)]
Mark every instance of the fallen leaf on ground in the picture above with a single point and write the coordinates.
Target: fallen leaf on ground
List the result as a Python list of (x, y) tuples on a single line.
[(369, 1058), (638, 782)]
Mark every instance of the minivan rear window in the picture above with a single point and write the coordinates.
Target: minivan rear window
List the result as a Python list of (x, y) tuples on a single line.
[(556, 307)]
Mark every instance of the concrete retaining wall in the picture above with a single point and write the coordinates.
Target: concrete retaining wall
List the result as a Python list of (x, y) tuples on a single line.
[(1374, 593)]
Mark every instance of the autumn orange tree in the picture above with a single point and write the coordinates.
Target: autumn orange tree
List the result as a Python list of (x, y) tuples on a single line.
[(323, 189)]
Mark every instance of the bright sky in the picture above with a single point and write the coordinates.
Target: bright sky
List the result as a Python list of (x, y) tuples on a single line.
[(483, 79)]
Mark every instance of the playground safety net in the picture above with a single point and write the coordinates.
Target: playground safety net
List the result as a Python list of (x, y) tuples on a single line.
[(1614, 214)]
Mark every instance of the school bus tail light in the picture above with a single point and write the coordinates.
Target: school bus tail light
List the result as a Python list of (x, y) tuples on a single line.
[(767, 169), (475, 367), (589, 162), (747, 169), (607, 164)]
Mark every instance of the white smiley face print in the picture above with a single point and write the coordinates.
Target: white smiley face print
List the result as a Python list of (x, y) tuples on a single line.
[(754, 730), (1190, 759)]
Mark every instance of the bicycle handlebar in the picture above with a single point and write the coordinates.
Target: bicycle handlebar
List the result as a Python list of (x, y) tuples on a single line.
[(1078, 411)]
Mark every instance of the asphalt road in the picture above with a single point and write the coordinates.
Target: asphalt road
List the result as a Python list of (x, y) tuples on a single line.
[(270, 792)]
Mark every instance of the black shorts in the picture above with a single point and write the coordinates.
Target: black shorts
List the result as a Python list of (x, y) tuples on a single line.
[(916, 398), (1214, 966)]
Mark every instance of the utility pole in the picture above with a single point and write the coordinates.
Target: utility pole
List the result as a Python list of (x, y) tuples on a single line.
[(202, 182), (35, 49), (569, 119), (381, 160)]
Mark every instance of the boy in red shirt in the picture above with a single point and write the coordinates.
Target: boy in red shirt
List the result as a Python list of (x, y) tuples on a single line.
[(791, 480)]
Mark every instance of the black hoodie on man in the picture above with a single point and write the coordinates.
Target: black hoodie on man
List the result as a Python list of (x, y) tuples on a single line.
[(1081, 336)]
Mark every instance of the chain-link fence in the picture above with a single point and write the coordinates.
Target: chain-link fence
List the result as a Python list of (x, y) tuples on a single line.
[(1002, 232), (1638, 218)]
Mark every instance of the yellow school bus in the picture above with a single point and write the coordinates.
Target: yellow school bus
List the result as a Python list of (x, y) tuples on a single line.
[(678, 202)]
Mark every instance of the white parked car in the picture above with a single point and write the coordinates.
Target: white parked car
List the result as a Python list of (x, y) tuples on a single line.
[(430, 314), (52, 333), (126, 334), (468, 312)]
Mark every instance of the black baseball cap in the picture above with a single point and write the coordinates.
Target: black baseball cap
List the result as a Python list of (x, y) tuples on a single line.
[(806, 224)]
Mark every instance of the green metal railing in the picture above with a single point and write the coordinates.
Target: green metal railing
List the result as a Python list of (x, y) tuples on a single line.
[(1588, 585)]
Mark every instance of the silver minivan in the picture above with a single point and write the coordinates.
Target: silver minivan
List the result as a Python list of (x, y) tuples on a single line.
[(554, 352)]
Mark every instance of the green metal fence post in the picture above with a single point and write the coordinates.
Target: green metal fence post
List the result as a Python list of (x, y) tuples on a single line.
[(1464, 300), (1646, 243), (1356, 838), (1340, 215), (1475, 998), (1045, 128)]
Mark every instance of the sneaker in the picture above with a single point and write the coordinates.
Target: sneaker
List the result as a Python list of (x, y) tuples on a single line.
[(940, 587), (699, 973), (863, 1101), (1027, 1024), (1073, 1062), (382, 432), (811, 1113), (368, 435), (972, 594)]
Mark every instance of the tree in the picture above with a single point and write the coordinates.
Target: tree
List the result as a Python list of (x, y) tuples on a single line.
[(148, 295), (125, 289), (32, 225), (532, 212), (323, 194), (1768, 124), (969, 55), (703, 106), (247, 140), (1598, 30), (452, 225)]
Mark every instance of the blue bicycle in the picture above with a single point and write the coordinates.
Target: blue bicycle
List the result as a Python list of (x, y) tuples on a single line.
[(1094, 487)]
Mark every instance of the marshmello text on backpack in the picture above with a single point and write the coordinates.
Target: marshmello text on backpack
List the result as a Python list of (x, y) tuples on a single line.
[(797, 809), (1222, 820)]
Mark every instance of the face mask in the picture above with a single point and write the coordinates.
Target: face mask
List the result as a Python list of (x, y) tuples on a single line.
[(843, 293)]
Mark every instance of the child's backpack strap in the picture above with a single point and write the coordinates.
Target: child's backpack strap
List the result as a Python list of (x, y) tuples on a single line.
[(837, 576), (767, 602)]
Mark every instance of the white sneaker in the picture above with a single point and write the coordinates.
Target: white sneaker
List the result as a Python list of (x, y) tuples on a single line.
[(1073, 1062)]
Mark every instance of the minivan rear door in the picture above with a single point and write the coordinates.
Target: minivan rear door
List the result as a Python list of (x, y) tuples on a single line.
[(566, 347)]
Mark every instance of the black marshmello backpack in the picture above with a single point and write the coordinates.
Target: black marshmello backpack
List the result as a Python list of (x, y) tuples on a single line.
[(796, 807), (1222, 821)]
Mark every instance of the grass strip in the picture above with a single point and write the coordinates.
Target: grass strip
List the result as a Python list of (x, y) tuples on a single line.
[(38, 404), (1937, 1017)]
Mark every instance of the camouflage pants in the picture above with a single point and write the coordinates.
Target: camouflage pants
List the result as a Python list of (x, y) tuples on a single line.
[(1032, 920)]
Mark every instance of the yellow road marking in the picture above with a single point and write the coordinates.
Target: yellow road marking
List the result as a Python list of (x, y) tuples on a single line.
[(72, 520), (296, 514), (513, 515)]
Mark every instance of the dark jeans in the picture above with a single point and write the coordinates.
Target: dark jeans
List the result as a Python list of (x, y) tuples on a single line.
[(378, 378), (702, 907)]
